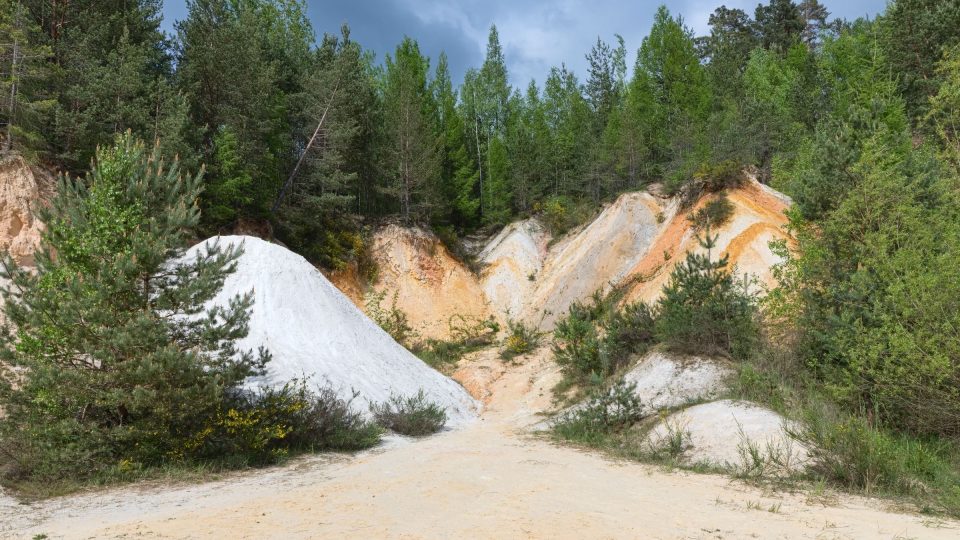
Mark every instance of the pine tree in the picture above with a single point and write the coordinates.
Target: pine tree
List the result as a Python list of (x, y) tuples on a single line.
[(109, 62), (411, 147), (484, 99), (780, 25), (703, 309), (242, 66), (321, 196), (669, 64), (25, 78), (120, 356), (459, 173), (913, 34), (814, 16)]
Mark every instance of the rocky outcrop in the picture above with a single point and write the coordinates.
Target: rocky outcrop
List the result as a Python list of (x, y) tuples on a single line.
[(22, 189), (513, 260), (758, 218)]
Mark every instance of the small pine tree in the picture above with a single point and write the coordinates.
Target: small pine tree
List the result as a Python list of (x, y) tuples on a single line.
[(704, 310), (119, 362)]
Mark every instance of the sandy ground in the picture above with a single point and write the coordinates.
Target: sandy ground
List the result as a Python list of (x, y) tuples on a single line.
[(489, 480)]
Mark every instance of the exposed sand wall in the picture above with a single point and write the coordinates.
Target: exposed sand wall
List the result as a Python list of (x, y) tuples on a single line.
[(635, 242), (430, 285), (758, 219), (514, 262), (22, 190)]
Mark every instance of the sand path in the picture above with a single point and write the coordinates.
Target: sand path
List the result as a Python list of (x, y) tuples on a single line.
[(490, 480)]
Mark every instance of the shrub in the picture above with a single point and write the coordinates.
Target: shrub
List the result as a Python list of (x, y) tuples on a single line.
[(716, 177), (626, 332), (467, 335), (848, 451), (561, 213), (704, 310), (715, 213), (413, 415), (606, 412), (393, 320), (521, 340), (319, 419), (576, 346), (594, 340)]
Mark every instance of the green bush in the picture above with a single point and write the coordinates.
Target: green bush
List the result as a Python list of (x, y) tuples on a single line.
[(715, 213), (626, 332), (561, 213), (265, 426), (318, 419), (521, 340), (704, 310), (467, 335), (607, 412), (717, 177), (413, 415), (596, 339), (576, 345), (847, 451)]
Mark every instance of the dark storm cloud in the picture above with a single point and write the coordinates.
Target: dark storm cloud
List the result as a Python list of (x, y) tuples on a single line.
[(536, 34)]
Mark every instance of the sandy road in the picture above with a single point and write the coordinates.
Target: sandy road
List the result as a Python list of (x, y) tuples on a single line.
[(490, 480)]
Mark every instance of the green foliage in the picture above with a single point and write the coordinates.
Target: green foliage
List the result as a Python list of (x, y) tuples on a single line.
[(392, 319), (595, 340), (265, 426), (715, 213), (607, 412), (242, 66), (25, 79), (411, 151), (913, 34), (848, 451), (705, 309), (561, 214), (669, 67), (520, 340), (466, 335), (944, 115), (119, 359), (414, 416)]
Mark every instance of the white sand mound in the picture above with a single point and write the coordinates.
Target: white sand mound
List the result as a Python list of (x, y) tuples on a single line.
[(665, 381), (314, 331), (719, 433)]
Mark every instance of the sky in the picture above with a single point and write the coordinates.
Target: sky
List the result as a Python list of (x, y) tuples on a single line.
[(535, 34)]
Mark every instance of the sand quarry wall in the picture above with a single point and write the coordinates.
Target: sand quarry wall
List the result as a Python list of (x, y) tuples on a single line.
[(526, 275), (22, 189), (428, 283)]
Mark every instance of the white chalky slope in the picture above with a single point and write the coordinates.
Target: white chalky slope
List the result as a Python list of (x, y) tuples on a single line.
[(314, 331)]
